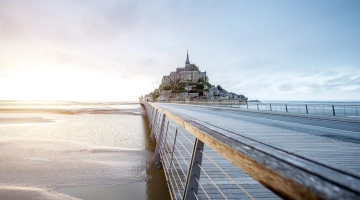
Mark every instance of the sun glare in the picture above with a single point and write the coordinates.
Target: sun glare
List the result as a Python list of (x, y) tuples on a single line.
[(63, 85)]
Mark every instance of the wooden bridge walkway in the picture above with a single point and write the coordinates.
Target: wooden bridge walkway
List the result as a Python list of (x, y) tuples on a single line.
[(251, 155)]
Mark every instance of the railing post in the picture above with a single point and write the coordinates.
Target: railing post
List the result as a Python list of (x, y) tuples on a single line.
[(152, 110), (167, 130), (286, 107), (307, 111), (247, 105), (173, 148), (154, 115), (270, 108), (333, 108), (191, 186), (257, 106), (151, 115), (160, 130), (157, 159), (154, 126)]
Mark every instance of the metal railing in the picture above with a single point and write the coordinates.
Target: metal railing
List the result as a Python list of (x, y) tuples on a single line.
[(182, 155), (339, 110), (201, 162)]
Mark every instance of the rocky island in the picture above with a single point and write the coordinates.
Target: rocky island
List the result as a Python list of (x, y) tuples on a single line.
[(189, 83)]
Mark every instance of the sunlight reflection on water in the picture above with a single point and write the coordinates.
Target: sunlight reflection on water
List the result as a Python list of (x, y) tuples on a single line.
[(76, 152)]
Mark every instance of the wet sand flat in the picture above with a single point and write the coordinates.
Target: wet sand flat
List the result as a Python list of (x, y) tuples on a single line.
[(119, 192), (104, 155), (24, 120), (30, 193), (57, 164)]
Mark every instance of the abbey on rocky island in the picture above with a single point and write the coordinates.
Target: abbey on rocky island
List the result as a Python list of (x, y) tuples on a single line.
[(189, 73), (189, 83)]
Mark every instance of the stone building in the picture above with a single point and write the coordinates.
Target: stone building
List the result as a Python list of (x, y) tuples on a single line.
[(189, 73)]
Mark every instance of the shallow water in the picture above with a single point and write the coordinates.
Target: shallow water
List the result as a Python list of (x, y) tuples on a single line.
[(87, 156)]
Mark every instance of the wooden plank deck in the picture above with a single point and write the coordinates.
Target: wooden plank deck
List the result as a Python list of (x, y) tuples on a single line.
[(337, 154)]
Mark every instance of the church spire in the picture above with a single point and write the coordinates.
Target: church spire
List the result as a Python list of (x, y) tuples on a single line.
[(187, 57)]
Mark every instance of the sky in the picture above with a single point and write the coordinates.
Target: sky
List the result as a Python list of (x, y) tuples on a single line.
[(119, 50)]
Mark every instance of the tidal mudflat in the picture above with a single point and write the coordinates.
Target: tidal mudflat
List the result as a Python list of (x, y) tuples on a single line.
[(108, 155)]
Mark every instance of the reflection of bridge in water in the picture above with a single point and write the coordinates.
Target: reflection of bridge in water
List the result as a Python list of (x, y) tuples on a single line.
[(233, 153)]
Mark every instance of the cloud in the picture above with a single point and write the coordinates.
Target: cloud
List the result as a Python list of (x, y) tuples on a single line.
[(342, 83), (12, 20), (307, 56), (331, 85), (286, 87)]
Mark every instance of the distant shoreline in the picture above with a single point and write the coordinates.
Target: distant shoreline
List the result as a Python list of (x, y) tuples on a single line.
[(254, 101), (309, 101)]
